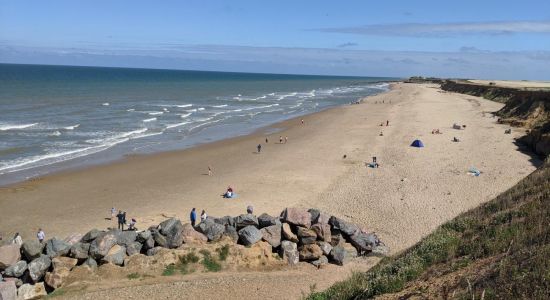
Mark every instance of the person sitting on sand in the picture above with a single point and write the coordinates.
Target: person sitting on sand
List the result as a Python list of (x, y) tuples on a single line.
[(41, 235), (455, 139), (132, 225), (250, 209), (382, 124), (17, 240), (381, 133), (228, 193), (204, 216)]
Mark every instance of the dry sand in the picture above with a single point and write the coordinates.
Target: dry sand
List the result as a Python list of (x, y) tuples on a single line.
[(515, 83), (413, 191)]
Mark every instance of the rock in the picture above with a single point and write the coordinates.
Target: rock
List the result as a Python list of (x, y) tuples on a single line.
[(149, 243), (38, 267), (126, 238), (90, 236), (232, 233), (56, 247), (8, 290), (191, 236), (103, 243), (18, 282), (337, 238), (134, 248), (9, 255), (325, 247), (116, 255), (64, 263), (212, 230), (249, 235), (289, 252), (154, 251), (246, 220), (160, 239), (171, 229), (265, 220), (296, 216), (272, 235), (143, 236), (380, 251), (338, 255), (364, 242), (17, 269), (314, 214), (310, 252), (226, 221), (323, 231), (79, 251), (73, 238), (32, 249), (346, 228), (350, 250), (56, 278), (323, 260), (322, 219), (306, 236), (91, 263), (288, 234), (31, 292)]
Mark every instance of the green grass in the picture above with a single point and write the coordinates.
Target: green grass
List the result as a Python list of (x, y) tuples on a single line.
[(512, 231), (209, 262), (56, 293), (223, 252), (183, 266), (169, 270), (133, 276)]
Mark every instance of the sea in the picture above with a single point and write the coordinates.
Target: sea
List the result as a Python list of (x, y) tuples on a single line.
[(54, 118)]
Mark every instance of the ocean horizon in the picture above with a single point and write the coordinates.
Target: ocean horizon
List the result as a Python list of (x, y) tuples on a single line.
[(58, 117)]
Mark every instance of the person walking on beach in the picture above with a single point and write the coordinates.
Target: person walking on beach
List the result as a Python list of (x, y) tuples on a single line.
[(266, 140), (209, 170), (113, 213), (387, 122), (193, 217), (280, 139), (41, 235), (123, 219), (17, 240), (259, 148), (286, 139), (302, 121), (120, 218), (203, 216)]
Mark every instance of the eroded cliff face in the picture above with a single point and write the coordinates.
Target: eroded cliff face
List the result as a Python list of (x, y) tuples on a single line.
[(527, 109)]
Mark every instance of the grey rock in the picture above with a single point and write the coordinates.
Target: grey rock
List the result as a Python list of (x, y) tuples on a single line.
[(364, 242), (265, 220), (149, 243), (338, 255), (38, 267), (306, 236), (380, 251), (323, 260), (231, 232), (318, 217), (90, 262), (134, 248), (116, 255), (314, 214), (325, 247), (9, 255), (226, 221), (296, 216), (126, 238), (171, 229), (8, 290), (249, 235), (288, 234), (73, 238), (103, 243), (346, 228), (90, 236), (272, 235), (211, 229), (160, 239), (246, 220), (17, 269), (56, 247), (289, 252), (310, 252), (32, 249), (143, 236), (80, 251), (337, 238), (323, 231), (153, 251)]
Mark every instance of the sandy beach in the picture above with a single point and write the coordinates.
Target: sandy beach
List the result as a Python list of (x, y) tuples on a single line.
[(413, 191)]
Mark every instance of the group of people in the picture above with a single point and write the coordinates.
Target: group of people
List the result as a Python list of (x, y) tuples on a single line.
[(281, 141), (387, 123), (18, 240), (193, 216), (436, 131), (121, 220)]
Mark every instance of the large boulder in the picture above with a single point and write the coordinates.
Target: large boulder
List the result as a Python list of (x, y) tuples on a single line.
[(17, 269), (73, 238), (154, 251), (32, 249), (103, 243), (310, 252), (231, 232), (31, 292), (134, 248), (191, 236), (341, 254), (318, 217), (323, 260), (348, 229), (64, 263), (380, 251), (272, 235), (126, 238), (116, 255), (249, 235), (246, 220), (288, 234), (323, 231), (265, 220), (91, 263), (211, 229), (226, 221), (364, 242), (289, 252), (306, 236), (80, 251), (160, 239), (8, 290), (56, 247), (143, 236), (90, 236), (56, 278), (325, 247), (171, 229), (149, 243), (9, 255), (38, 267), (296, 216)]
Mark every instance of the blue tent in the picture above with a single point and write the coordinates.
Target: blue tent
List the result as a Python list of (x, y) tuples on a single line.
[(417, 143)]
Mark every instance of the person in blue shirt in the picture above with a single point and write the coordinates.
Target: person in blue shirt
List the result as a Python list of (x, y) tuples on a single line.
[(193, 217)]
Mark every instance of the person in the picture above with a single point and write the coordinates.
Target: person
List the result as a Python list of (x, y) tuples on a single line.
[(203, 215), (113, 213), (381, 133), (280, 139), (382, 124), (132, 225), (387, 122), (120, 218), (259, 148), (228, 192), (374, 162), (209, 171), (250, 209), (41, 235), (193, 217), (17, 239), (286, 139), (302, 121), (124, 219), (266, 140)]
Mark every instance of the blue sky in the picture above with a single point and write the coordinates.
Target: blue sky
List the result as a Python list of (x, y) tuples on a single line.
[(477, 39)]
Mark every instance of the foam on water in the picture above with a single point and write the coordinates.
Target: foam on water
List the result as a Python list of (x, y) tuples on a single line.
[(5, 127)]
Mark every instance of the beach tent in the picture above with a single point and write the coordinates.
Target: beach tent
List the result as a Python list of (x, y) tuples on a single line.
[(417, 143)]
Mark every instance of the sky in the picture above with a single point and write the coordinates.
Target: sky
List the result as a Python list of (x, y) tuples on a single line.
[(467, 39)]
